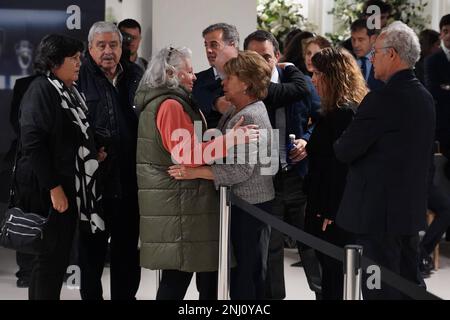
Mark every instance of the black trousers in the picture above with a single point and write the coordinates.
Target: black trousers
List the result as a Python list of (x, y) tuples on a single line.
[(397, 253), (250, 241), (439, 203), (122, 225), (25, 263), (174, 284), (332, 273), (49, 268), (289, 206)]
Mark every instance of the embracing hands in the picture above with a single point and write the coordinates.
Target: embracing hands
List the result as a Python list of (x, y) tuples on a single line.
[(243, 134), (180, 172)]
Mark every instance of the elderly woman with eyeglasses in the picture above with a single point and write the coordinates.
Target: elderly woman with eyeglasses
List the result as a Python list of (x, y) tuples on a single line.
[(179, 219)]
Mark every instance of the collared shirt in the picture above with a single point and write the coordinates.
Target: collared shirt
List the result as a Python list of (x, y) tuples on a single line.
[(280, 123), (216, 74), (368, 65), (119, 72), (446, 51), (140, 62), (275, 76)]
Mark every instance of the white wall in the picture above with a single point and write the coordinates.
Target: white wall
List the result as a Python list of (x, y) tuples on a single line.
[(181, 22), (438, 8), (141, 11)]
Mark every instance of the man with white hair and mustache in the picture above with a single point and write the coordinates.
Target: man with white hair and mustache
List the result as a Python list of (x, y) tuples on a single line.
[(109, 84)]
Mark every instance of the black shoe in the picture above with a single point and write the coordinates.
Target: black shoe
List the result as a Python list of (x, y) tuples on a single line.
[(297, 264), (23, 283), (426, 265)]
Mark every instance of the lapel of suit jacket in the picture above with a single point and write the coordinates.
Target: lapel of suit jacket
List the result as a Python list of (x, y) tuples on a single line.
[(281, 74), (445, 70)]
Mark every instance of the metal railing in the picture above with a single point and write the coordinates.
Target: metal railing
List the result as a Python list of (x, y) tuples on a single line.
[(223, 287), (352, 272)]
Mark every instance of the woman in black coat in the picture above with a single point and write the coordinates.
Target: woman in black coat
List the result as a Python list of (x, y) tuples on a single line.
[(341, 88), (57, 160)]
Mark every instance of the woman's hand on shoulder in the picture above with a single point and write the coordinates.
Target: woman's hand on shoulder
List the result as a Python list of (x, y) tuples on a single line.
[(240, 134)]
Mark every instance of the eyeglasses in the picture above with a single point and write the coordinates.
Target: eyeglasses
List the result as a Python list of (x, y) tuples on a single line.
[(374, 50)]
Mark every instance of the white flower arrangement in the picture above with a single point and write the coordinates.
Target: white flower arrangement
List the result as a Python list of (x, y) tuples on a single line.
[(281, 16), (347, 11)]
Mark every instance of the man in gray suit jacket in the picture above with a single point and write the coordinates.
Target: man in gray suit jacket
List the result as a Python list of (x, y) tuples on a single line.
[(388, 147)]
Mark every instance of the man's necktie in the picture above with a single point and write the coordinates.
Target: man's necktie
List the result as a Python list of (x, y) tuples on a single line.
[(364, 67)]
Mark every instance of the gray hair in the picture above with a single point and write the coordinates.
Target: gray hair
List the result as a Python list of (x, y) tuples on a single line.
[(103, 27), (404, 40), (162, 69), (230, 35)]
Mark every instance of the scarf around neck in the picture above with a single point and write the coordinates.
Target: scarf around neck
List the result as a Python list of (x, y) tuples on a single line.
[(86, 164)]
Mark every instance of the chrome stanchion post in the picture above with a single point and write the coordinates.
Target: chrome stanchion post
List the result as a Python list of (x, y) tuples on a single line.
[(158, 279), (224, 241), (352, 272)]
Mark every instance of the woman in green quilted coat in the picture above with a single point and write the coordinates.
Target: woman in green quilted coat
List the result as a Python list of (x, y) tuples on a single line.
[(179, 223)]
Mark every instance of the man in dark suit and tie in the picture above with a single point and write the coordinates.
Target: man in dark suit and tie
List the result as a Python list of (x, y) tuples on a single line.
[(363, 40), (437, 80), (222, 43), (388, 147), (208, 87), (385, 14)]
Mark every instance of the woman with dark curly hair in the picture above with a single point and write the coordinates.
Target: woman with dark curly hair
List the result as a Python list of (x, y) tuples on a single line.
[(341, 87)]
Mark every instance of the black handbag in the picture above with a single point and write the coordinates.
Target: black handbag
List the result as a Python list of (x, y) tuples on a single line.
[(23, 232)]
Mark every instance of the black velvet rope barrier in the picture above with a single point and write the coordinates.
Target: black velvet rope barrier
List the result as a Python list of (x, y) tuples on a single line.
[(408, 288)]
